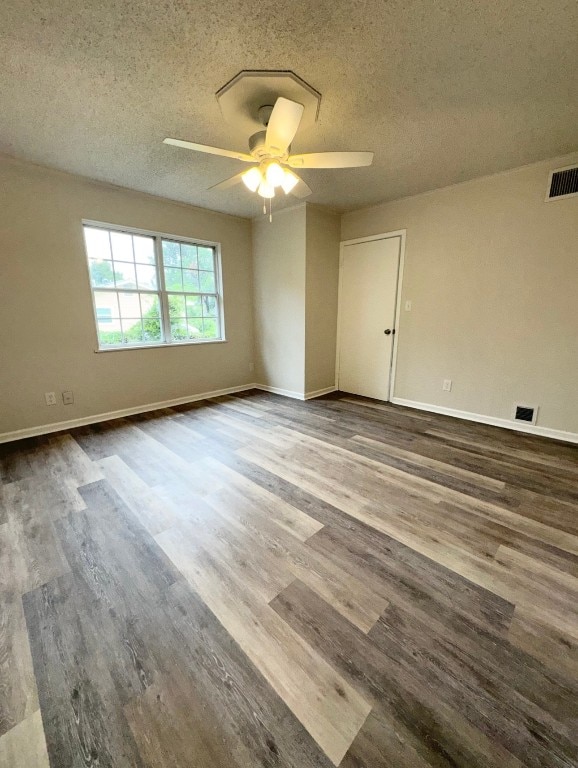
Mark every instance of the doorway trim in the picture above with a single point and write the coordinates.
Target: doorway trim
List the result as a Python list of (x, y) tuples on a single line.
[(401, 233)]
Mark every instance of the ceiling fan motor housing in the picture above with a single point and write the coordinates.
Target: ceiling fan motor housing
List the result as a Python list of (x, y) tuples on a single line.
[(259, 149)]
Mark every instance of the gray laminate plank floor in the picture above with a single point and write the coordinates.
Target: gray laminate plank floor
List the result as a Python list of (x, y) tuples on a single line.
[(253, 581)]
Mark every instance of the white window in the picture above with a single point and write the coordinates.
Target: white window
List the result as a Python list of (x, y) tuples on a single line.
[(151, 289)]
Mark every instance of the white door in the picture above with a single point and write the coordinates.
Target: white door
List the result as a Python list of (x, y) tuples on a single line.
[(367, 298)]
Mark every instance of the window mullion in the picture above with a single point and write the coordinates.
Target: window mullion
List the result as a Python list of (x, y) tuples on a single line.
[(165, 317)]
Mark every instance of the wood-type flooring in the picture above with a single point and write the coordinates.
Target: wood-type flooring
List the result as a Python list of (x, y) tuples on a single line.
[(255, 581)]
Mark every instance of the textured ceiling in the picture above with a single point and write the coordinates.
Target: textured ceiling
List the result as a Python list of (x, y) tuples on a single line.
[(441, 90)]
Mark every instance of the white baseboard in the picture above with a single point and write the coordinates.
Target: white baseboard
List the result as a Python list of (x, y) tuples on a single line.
[(279, 391), (319, 392), (555, 434), (295, 395), (58, 426)]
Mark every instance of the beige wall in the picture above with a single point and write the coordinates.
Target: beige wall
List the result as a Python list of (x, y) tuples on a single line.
[(491, 270), (322, 282), (47, 336), (279, 290), (492, 273)]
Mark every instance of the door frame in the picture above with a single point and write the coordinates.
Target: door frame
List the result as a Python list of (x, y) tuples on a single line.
[(401, 233)]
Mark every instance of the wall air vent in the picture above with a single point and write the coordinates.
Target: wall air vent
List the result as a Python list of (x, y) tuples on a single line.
[(525, 413), (563, 183)]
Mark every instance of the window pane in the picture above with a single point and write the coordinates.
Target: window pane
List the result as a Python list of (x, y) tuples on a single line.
[(151, 314), (104, 315), (210, 328), (190, 280), (121, 246), (132, 331), (106, 300), (179, 331), (97, 243), (108, 336), (124, 275), (171, 254), (152, 331), (189, 255), (206, 258), (144, 249), (194, 308), (177, 306), (195, 327), (150, 305), (101, 273), (207, 282), (129, 304), (209, 306), (173, 279), (146, 276)]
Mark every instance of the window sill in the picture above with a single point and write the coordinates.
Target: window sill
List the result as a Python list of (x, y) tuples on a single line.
[(172, 345)]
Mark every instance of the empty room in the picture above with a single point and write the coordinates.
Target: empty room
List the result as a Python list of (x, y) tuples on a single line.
[(289, 384)]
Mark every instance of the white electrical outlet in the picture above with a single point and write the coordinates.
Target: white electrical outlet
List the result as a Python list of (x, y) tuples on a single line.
[(50, 398), (68, 397), (408, 306), (447, 385)]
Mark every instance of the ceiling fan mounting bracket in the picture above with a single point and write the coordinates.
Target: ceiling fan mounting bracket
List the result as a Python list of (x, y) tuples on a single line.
[(264, 114), (245, 100)]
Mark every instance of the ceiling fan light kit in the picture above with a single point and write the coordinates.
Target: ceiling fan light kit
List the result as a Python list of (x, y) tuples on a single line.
[(252, 179), (269, 149), (290, 181), (274, 174), (267, 176), (266, 190)]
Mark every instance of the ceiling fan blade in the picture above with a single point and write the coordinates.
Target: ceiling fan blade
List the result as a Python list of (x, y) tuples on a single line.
[(301, 189), (228, 183), (331, 160), (283, 124), (210, 150)]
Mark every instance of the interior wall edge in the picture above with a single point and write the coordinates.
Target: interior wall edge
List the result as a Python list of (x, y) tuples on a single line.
[(555, 161), (111, 186)]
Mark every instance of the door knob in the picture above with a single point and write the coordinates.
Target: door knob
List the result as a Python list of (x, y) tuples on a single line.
[(388, 331)]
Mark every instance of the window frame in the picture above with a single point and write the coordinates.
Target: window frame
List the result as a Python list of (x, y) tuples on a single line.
[(161, 291)]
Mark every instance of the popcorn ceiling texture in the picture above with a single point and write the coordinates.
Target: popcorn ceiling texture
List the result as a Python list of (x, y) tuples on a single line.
[(441, 92)]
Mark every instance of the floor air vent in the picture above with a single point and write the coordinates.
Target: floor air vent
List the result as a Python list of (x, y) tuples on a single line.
[(563, 183), (526, 413)]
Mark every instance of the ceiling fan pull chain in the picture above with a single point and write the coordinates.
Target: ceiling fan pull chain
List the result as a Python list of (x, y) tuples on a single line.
[(270, 210)]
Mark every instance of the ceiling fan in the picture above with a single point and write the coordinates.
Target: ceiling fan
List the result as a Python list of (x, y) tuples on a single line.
[(269, 152)]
